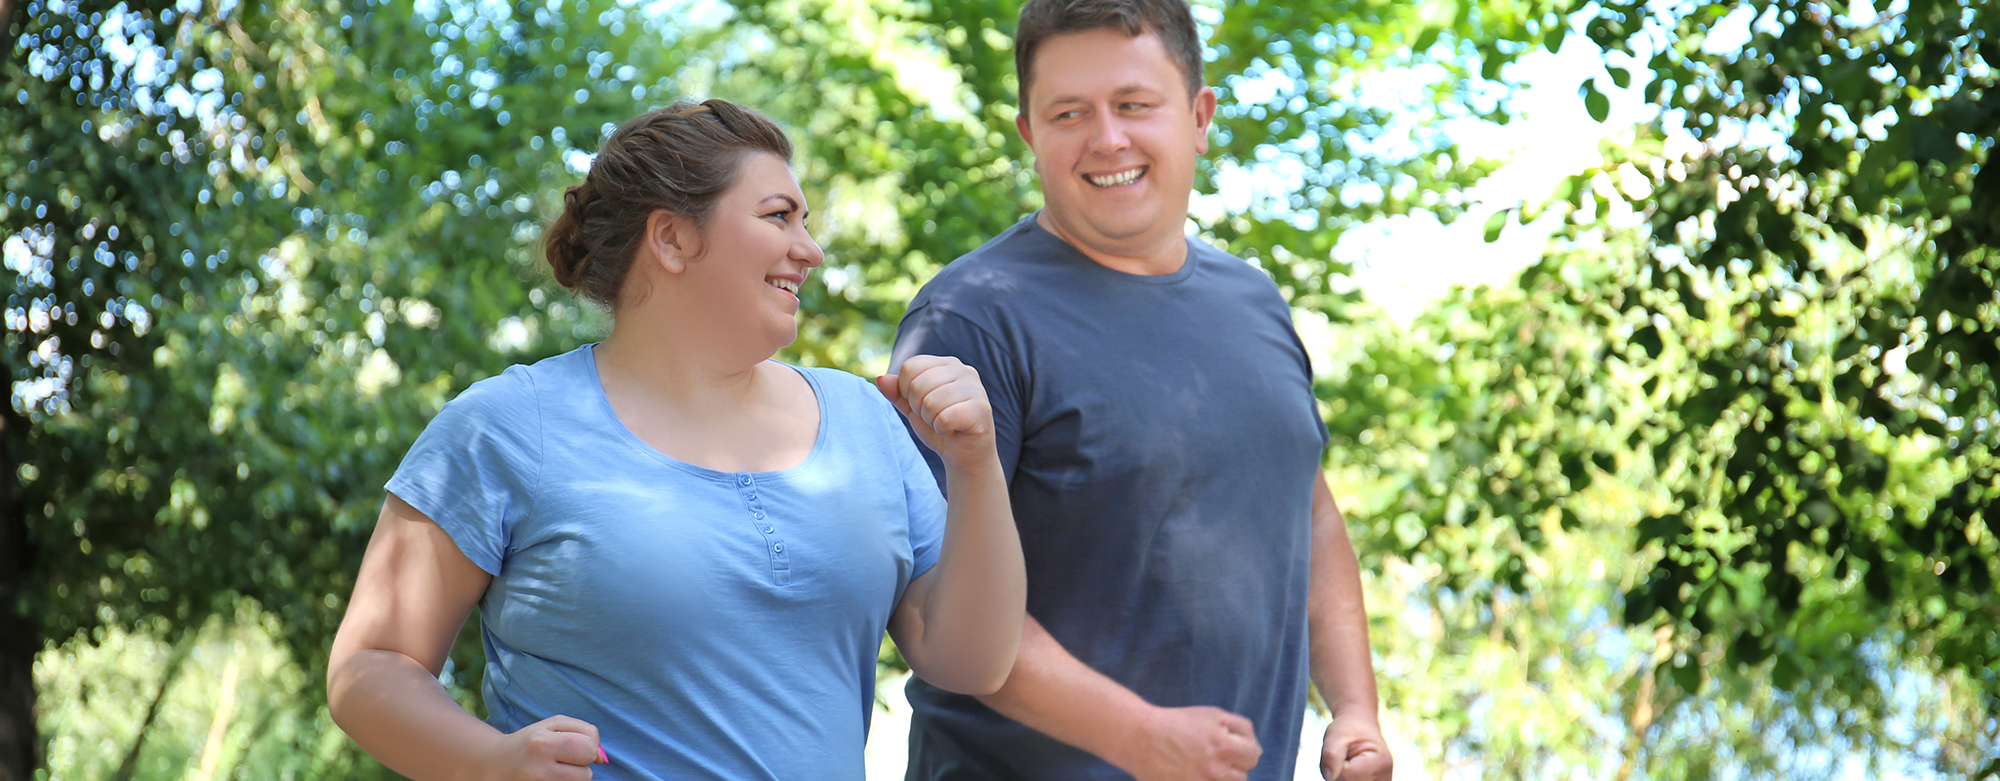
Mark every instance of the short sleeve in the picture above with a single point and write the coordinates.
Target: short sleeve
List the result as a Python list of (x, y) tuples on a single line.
[(921, 495), (474, 468), (1306, 367), (925, 500), (931, 330)]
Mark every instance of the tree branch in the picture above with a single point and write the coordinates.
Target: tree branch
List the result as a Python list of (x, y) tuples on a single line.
[(7, 28)]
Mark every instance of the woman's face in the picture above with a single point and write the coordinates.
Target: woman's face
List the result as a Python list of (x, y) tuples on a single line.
[(754, 256)]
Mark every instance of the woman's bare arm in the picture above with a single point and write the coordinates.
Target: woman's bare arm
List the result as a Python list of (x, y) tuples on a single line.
[(959, 624), (412, 596)]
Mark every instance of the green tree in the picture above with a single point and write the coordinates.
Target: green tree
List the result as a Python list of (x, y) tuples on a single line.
[(251, 250), (1790, 362), (254, 246), (1490, 451), (1815, 313)]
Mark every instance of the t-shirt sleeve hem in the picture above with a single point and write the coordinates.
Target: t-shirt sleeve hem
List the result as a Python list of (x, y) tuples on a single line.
[(447, 517), (921, 565)]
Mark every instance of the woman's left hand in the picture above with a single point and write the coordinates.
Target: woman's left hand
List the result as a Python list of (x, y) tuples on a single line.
[(947, 407)]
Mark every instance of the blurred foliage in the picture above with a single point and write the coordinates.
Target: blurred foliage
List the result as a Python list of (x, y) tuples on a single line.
[(1502, 482), (1771, 319), (1816, 316), (253, 245)]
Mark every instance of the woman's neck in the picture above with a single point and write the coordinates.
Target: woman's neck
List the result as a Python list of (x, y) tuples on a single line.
[(692, 373)]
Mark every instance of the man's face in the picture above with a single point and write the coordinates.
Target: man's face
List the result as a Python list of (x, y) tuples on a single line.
[(1115, 139)]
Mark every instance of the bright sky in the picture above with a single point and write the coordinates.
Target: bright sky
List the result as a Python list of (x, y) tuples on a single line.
[(1405, 263)]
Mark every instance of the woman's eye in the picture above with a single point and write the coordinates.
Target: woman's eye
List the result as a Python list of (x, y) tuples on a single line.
[(782, 214)]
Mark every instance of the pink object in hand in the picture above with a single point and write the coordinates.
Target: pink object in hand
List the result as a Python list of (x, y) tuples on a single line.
[(603, 757)]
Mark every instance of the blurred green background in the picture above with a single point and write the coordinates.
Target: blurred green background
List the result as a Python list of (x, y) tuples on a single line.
[(1699, 484)]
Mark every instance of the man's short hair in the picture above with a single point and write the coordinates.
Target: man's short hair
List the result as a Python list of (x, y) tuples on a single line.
[(1168, 19)]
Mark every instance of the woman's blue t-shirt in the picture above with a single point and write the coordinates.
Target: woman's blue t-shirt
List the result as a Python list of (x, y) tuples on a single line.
[(710, 624)]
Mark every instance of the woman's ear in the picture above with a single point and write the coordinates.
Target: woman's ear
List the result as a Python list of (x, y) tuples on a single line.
[(669, 241)]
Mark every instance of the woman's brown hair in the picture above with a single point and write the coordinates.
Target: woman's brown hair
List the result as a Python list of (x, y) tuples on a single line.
[(677, 159)]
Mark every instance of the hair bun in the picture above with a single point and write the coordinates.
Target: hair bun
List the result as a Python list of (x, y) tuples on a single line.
[(564, 244)]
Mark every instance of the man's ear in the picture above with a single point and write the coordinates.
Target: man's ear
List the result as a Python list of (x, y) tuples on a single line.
[(1027, 134), (669, 241), (1204, 113)]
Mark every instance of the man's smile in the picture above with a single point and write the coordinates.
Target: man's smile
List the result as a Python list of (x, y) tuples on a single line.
[(1117, 179)]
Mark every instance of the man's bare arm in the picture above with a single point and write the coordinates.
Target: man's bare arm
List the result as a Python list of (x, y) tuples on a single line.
[(1060, 696), (1337, 623)]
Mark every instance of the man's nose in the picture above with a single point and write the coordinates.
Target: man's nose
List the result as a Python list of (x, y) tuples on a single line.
[(1109, 133)]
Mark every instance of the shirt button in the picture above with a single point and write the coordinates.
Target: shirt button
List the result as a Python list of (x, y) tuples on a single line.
[(767, 530), (759, 515), (744, 479), (750, 497), (777, 547)]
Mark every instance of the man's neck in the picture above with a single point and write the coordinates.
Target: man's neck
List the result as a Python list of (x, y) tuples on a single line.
[(1159, 258)]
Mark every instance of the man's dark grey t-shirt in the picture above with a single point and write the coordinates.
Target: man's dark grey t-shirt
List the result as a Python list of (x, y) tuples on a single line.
[(1160, 440)]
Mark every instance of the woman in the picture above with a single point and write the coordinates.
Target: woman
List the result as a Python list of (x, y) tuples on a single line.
[(683, 552)]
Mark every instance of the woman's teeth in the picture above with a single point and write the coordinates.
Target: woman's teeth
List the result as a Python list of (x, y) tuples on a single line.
[(785, 285)]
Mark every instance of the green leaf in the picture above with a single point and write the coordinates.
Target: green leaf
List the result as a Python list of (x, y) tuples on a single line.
[(1878, 582), (1573, 470), (1594, 101), (1786, 673), (1662, 527), (1639, 606), (1620, 77), (1656, 88), (1688, 677), (1695, 305), (1495, 224), (1852, 232), (1428, 39), (1976, 572), (1750, 648), (1648, 339), (1570, 522)]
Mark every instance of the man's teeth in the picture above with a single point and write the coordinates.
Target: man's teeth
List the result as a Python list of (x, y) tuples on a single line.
[(785, 285), (1117, 179)]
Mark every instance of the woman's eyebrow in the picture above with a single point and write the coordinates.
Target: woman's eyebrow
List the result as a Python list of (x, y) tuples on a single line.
[(787, 198)]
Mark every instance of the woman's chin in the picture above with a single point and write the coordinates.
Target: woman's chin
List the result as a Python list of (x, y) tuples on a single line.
[(783, 338)]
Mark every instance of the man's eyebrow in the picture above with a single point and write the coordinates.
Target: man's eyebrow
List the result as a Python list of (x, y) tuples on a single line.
[(1120, 92)]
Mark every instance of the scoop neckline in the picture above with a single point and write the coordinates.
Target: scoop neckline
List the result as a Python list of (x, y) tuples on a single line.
[(604, 405)]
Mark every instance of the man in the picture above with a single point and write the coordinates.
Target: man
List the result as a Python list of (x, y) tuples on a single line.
[(1187, 568)]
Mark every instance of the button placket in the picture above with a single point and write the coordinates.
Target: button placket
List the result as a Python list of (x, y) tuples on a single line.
[(781, 562)]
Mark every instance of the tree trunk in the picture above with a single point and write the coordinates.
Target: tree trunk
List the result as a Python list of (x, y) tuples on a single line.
[(7, 36), (1644, 707), (20, 629), (7, 27), (175, 662)]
